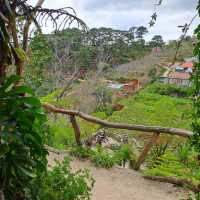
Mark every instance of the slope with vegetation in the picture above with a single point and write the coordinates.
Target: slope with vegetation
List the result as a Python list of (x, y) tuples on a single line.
[(23, 127), (153, 106)]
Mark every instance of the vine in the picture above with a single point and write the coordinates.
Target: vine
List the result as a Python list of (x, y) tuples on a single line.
[(195, 140)]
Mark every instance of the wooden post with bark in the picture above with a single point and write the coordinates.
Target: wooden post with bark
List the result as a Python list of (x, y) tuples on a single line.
[(146, 150), (76, 128)]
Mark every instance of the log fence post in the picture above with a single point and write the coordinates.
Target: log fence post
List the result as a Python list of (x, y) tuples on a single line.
[(146, 150), (76, 128)]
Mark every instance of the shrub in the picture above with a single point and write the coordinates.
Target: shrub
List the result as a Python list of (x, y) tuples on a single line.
[(102, 158), (22, 152), (170, 90), (80, 152), (61, 184), (197, 197), (104, 99), (124, 154), (170, 165), (156, 153), (184, 152)]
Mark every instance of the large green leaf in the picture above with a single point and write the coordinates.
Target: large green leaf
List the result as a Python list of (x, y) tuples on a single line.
[(31, 101), (9, 82), (26, 172), (21, 90)]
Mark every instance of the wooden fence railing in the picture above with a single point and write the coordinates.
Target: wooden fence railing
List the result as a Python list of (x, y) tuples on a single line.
[(156, 130)]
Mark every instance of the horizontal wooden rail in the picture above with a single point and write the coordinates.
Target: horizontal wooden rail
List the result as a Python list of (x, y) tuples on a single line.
[(156, 130), (104, 123)]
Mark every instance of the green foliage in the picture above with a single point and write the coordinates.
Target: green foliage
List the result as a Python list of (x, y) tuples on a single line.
[(85, 56), (169, 90), (124, 154), (62, 132), (156, 153), (61, 183), (180, 163), (103, 158), (184, 152), (153, 109), (67, 102), (195, 140), (153, 74), (157, 41), (22, 152), (197, 197), (104, 100), (80, 152), (39, 59)]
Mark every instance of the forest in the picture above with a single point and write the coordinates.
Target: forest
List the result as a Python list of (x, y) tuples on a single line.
[(82, 108), (73, 51)]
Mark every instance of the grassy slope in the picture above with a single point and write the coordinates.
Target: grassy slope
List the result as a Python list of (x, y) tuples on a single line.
[(146, 108), (61, 131), (153, 109)]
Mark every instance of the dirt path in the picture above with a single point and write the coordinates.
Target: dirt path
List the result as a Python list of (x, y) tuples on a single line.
[(123, 184)]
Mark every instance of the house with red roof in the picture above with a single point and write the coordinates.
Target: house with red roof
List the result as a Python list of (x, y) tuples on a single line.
[(188, 66), (179, 75)]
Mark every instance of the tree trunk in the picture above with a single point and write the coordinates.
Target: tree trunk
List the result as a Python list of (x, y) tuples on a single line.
[(20, 68), (2, 195)]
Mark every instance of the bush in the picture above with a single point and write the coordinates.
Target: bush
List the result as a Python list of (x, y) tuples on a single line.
[(156, 153), (61, 184), (184, 152), (81, 152), (102, 158), (171, 165), (170, 90), (22, 151), (124, 154), (197, 197)]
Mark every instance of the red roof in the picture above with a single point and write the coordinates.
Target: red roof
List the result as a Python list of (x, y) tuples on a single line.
[(180, 75), (187, 65)]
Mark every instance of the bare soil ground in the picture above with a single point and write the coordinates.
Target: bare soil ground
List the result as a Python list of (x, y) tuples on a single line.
[(120, 183)]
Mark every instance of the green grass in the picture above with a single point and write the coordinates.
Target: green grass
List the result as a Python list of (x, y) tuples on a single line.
[(154, 109), (147, 107), (169, 90), (170, 165), (62, 133), (66, 102)]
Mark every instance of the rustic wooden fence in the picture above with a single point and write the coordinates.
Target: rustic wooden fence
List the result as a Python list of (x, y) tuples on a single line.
[(156, 130)]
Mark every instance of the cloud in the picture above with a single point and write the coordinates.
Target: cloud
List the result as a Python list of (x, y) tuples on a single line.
[(170, 5), (122, 14), (116, 4)]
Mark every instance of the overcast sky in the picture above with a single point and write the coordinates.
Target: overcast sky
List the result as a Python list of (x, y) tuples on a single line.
[(122, 14)]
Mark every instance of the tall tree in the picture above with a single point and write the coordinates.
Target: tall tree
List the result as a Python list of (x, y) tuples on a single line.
[(141, 32), (157, 41)]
